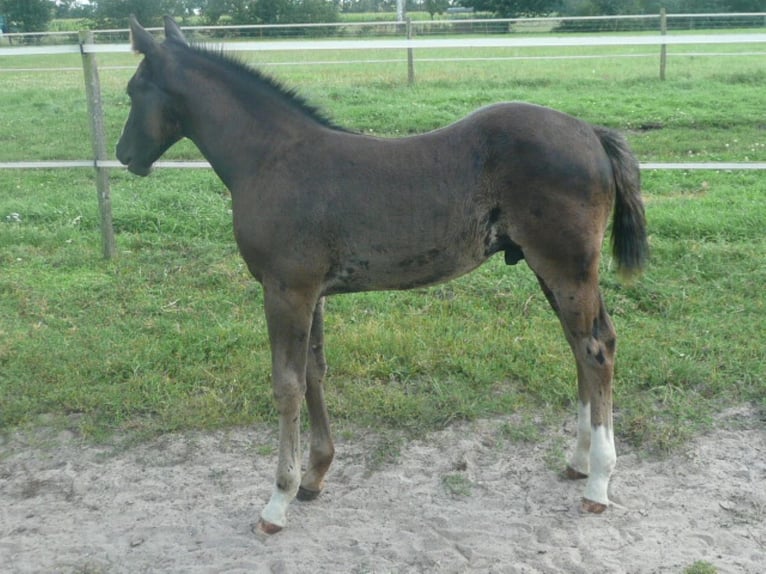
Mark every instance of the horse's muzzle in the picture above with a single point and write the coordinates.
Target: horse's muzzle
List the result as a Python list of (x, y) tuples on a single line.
[(129, 161)]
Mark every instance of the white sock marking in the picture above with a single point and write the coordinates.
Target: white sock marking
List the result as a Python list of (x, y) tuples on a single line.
[(275, 511), (580, 461), (603, 457)]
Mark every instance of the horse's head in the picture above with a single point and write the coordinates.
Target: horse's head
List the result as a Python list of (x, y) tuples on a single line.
[(153, 124)]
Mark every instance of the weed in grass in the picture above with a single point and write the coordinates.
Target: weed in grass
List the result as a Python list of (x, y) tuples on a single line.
[(265, 450), (701, 567), (524, 431), (555, 455), (387, 449), (91, 567), (457, 484)]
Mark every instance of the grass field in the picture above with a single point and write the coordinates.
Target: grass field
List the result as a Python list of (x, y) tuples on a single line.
[(170, 335)]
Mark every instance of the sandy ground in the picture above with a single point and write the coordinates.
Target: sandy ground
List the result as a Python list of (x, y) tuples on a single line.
[(466, 499)]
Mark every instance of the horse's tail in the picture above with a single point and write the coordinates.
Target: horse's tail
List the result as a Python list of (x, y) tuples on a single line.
[(629, 243)]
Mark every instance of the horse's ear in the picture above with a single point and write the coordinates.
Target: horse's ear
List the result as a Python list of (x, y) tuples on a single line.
[(140, 40), (173, 32)]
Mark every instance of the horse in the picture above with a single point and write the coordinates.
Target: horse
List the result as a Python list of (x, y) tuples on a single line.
[(319, 210)]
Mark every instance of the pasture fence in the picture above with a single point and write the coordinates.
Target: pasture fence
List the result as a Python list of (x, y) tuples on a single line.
[(450, 24), (98, 139), (88, 47)]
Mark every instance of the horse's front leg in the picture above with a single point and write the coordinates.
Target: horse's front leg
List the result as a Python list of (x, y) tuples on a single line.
[(289, 315)]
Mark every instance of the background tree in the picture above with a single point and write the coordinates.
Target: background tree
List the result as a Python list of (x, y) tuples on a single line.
[(514, 8), (434, 7), (27, 15), (746, 6), (237, 11), (616, 7), (270, 11), (723, 5), (73, 9), (115, 13)]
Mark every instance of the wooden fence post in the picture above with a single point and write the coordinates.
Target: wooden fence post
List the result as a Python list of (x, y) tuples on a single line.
[(410, 55), (98, 138), (663, 47)]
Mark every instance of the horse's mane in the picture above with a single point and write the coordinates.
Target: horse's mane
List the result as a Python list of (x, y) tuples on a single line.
[(248, 78)]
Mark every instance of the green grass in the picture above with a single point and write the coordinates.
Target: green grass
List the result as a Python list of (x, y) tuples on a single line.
[(170, 335), (701, 567)]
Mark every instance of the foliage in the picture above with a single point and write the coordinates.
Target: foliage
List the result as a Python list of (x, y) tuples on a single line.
[(579, 8), (434, 7), (73, 9), (150, 12), (513, 8), (270, 11), (710, 6), (294, 11), (27, 15), (617, 7), (115, 13), (701, 567)]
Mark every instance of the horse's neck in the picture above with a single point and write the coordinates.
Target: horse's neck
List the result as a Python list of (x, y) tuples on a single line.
[(237, 138)]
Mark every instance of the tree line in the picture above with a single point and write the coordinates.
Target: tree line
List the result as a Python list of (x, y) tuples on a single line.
[(530, 8), (35, 15)]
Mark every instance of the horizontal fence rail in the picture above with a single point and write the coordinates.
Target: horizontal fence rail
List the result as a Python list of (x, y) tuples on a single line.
[(458, 59), (196, 164), (423, 43)]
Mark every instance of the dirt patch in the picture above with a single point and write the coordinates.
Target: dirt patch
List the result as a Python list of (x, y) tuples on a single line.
[(467, 499)]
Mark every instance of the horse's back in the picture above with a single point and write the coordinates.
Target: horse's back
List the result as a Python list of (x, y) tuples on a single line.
[(533, 138)]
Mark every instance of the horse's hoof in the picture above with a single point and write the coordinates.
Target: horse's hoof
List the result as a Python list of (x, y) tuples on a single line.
[(592, 506), (573, 474), (265, 527), (306, 494)]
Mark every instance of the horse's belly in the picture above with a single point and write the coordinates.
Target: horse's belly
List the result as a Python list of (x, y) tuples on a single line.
[(403, 270)]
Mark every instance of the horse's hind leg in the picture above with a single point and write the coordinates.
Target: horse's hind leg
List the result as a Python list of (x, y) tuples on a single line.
[(322, 449), (579, 463), (591, 335)]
